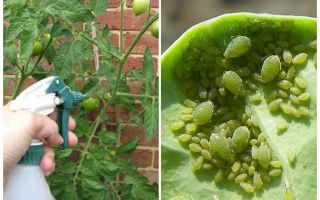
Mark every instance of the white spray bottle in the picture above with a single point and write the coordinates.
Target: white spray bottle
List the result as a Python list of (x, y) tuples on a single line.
[(27, 181)]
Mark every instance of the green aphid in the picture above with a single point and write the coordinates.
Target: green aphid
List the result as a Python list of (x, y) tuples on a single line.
[(254, 152), (282, 127), (292, 156), (294, 99), (247, 187), (245, 158), (183, 138), (236, 166), (243, 71), (195, 147), (300, 82), (189, 103), (205, 144), (198, 163), (251, 170), (284, 84), (264, 155), (203, 94), (241, 178), (222, 110), (276, 164), (295, 90), (287, 57), (275, 105), (240, 139), (283, 94), (203, 112), (257, 181), (195, 139), (304, 97), (275, 172), (219, 176), (304, 111), (256, 98), (191, 128), (233, 83), (300, 58), (270, 68), (206, 166), (187, 110), (213, 93), (220, 146), (206, 154), (176, 126), (186, 118), (238, 46)]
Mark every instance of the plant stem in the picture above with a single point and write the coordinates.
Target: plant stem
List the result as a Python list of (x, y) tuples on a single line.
[(135, 95), (135, 41), (121, 25)]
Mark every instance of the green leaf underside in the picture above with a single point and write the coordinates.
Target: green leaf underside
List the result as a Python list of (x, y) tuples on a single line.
[(177, 176)]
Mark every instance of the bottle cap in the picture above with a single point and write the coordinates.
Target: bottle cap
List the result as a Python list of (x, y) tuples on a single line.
[(33, 155)]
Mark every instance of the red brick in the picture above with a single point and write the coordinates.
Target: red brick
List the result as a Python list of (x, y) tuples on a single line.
[(137, 62), (8, 88), (114, 39), (156, 159), (113, 4), (146, 40), (135, 87), (131, 22), (130, 132), (154, 3), (141, 158), (152, 175)]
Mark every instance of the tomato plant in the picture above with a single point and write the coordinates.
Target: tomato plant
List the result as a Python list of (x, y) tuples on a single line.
[(72, 40)]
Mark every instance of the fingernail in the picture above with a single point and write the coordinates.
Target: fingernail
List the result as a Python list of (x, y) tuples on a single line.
[(61, 139)]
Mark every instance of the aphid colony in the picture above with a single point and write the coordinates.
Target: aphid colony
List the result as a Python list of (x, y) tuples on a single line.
[(221, 132)]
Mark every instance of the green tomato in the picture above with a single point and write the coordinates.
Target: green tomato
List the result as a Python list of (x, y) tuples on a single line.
[(91, 104), (155, 29), (46, 36), (37, 48), (140, 6)]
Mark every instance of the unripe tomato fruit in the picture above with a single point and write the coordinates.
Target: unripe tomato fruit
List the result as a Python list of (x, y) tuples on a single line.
[(37, 48), (91, 104), (140, 6), (155, 29)]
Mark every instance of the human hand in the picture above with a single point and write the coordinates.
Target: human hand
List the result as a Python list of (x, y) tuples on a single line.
[(21, 127)]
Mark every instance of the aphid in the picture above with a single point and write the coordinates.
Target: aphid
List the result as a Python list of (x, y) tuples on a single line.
[(187, 111), (294, 99), (195, 147), (243, 71), (282, 127), (276, 164), (300, 58), (275, 104), (202, 135), (245, 158), (219, 163), (184, 138), (245, 166), (257, 181), (304, 97), (206, 154), (251, 86), (247, 187), (222, 110), (254, 152), (292, 156), (288, 195), (203, 94), (236, 166), (295, 90), (186, 117), (265, 176), (176, 126), (300, 82), (233, 83), (220, 146), (271, 96), (206, 166), (287, 56), (270, 68), (240, 138), (218, 81), (191, 128), (238, 46), (240, 178), (205, 144), (281, 75), (262, 138), (213, 93), (256, 99), (304, 111), (264, 155), (286, 109), (313, 44), (291, 73), (196, 140), (198, 163), (275, 172), (203, 112), (284, 84), (282, 94), (219, 176), (253, 142), (251, 170), (231, 176), (257, 77), (189, 103), (222, 92)]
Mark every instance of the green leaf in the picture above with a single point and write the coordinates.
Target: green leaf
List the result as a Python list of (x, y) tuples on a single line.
[(27, 41), (128, 147), (140, 187), (108, 166), (93, 184), (98, 7), (15, 28), (10, 53), (39, 73), (59, 29), (150, 119), (176, 162), (82, 127), (91, 82), (67, 55), (148, 71), (107, 137), (70, 193), (71, 10), (50, 53)]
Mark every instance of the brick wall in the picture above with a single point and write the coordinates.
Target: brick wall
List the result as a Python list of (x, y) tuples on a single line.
[(145, 157)]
